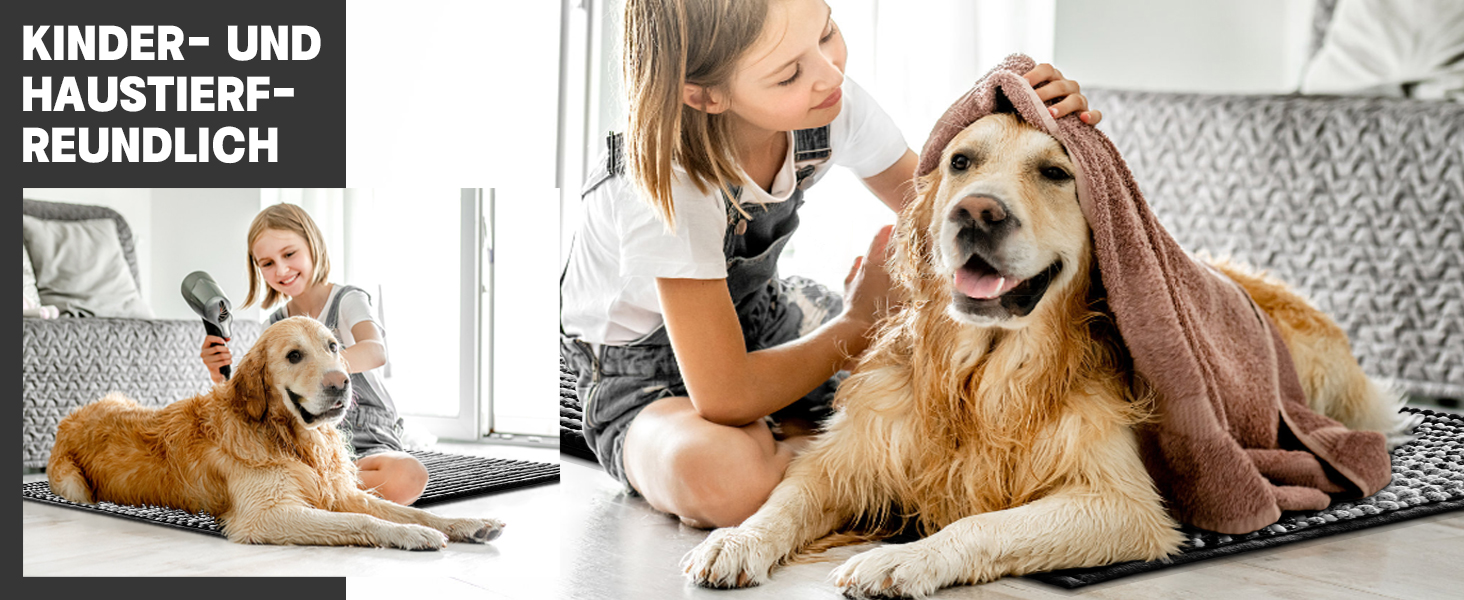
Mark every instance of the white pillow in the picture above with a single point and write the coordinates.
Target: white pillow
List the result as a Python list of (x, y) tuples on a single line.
[(1395, 48), (31, 295), (80, 268)]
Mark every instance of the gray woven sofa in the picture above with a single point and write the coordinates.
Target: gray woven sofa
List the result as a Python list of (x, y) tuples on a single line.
[(69, 362), (1356, 202)]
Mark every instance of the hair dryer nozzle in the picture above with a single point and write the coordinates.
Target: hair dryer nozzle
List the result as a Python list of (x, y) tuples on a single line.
[(206, 298)]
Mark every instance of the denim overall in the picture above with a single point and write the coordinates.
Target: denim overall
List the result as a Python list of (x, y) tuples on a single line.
[(372, 425), (620, 380)]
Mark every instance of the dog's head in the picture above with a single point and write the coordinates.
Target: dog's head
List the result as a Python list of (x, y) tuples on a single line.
[(995, 231), (294, 371)]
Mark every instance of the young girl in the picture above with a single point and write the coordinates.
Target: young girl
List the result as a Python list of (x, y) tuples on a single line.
[(287, 253), (682, 335)]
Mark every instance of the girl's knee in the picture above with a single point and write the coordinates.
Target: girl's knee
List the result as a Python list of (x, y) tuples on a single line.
[(412, 473), (401, 478), (720, 485)]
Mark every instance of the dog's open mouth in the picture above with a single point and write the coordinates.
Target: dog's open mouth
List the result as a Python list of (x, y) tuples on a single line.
[(983, 290), (336, 409)]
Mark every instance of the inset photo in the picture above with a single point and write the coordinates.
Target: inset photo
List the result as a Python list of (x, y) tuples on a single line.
[(231, 382)]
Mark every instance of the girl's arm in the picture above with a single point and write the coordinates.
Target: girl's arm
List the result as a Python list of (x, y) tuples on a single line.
[(895, 186), (731, 386), (368, 352)]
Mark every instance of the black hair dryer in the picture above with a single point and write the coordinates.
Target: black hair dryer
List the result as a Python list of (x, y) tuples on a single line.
[(206, 299)]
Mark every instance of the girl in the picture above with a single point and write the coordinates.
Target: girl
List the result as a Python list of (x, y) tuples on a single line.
[(287, 253), (682, 335)]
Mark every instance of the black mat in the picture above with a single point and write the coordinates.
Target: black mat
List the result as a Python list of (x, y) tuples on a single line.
[(450, 477), (1428, 478)]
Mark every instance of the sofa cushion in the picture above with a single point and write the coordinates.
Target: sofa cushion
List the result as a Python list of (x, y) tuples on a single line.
[(80, 269), (29, 292), (1397, 48)]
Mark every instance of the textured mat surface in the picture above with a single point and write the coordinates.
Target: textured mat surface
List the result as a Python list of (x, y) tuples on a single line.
[(451, 476), (1428, 478)]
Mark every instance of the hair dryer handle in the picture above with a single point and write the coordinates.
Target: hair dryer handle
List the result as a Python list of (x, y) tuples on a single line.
[(215, 330)]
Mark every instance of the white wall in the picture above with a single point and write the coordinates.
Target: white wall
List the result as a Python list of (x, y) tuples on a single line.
[(1235, 46), (451, 92), (200, 230)]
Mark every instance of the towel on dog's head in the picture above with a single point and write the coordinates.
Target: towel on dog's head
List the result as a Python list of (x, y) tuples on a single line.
[(1234, 442)]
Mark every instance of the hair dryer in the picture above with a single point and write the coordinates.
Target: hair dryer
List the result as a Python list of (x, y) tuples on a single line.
[(206, 299)]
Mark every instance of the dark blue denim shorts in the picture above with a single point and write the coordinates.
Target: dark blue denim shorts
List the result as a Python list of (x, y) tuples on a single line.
[(617, 382)]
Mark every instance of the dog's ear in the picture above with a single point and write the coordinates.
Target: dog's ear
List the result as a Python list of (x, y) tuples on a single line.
[(911, 259), (1003, 104), (252, 386)]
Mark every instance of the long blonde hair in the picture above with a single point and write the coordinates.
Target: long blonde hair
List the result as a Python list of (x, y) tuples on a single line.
[(284, 217), (667, 44)]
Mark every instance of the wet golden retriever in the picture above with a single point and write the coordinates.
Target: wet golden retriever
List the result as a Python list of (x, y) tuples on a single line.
[(996, 408), (260, 452)]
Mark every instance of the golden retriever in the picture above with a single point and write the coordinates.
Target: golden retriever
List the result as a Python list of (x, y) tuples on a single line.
[(260, 452), (995, 409)]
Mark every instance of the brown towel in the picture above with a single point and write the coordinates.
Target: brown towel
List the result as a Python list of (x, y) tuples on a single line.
[(1234, 443)]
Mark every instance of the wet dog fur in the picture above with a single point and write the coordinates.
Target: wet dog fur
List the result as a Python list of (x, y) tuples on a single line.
[(996, 409)]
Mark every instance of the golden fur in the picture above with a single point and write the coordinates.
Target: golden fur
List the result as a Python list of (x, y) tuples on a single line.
[(1005, 436), (246, 453)]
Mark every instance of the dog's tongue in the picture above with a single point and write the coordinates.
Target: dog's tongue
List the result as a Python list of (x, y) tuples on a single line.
[(984, 286)]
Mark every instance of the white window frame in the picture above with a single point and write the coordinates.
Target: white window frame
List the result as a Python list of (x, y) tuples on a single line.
[(468, 424)]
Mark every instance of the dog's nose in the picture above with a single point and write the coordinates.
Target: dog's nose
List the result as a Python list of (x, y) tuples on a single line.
[(979, 211), (336, 381)]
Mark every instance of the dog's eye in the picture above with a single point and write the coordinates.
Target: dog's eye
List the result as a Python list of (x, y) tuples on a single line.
[(1055, 174), (960, 162), (294, 357), (332, 347)]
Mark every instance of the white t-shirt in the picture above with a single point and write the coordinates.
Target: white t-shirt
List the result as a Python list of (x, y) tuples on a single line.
[(622, 246)]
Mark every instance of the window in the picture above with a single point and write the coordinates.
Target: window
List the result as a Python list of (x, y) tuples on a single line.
[(467, 358)]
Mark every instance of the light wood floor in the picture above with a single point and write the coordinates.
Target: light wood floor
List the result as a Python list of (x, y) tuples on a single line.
[(615, 546), (585, 540), (522, 564)]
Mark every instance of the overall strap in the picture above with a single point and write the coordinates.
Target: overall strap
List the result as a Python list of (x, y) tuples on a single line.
[(810, 149), (609, 164), (615, 147), (331, 316)]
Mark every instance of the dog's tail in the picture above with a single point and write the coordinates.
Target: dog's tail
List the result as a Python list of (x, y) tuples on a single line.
[(1381, 410), (67, 479)]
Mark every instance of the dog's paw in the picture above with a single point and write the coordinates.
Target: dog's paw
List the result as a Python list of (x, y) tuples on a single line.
[(733, 557), (413, 537), (474, 531), (895, 571)]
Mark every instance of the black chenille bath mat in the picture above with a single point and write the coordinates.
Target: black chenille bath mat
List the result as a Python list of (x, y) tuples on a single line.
[(450, 477), (1428, 478)]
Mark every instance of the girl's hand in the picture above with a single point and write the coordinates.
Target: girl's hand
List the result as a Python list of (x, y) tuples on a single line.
[(215, 357), (1067, 89), (868, 291)]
